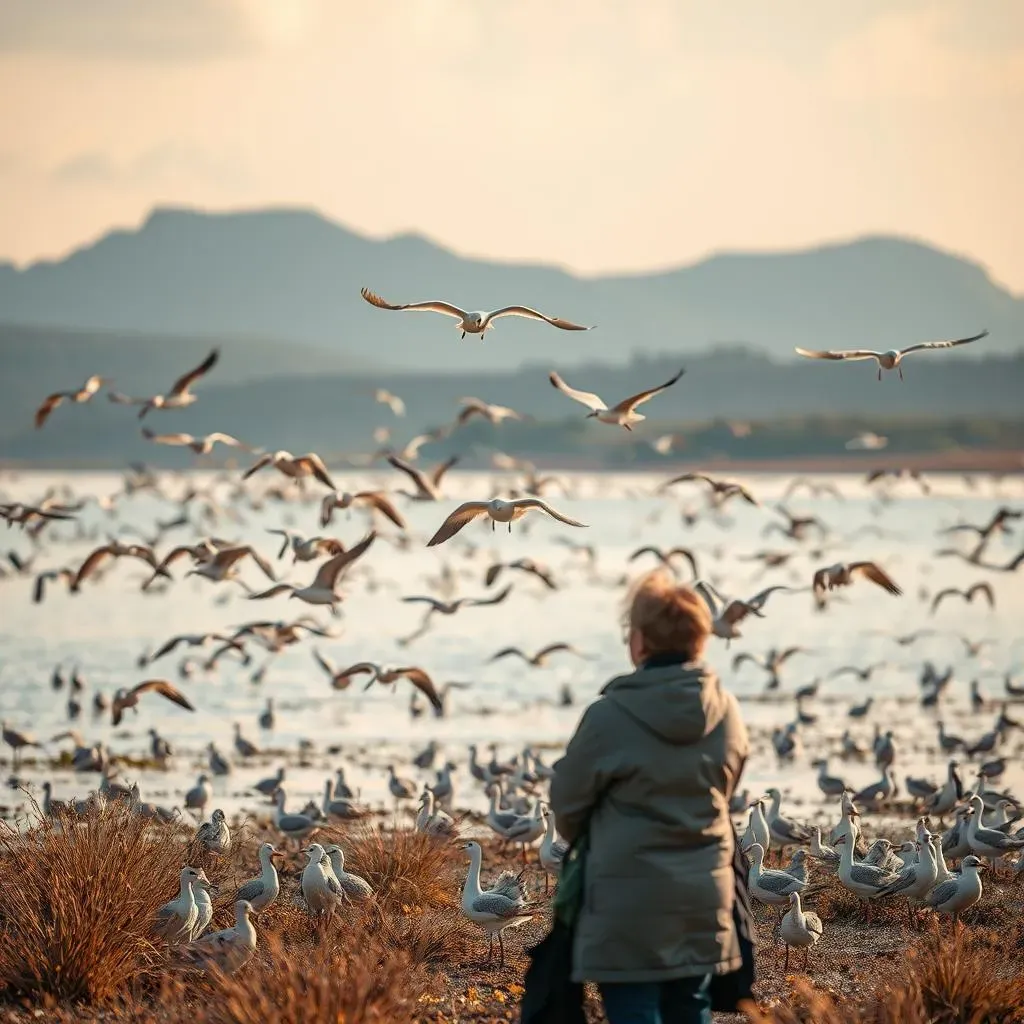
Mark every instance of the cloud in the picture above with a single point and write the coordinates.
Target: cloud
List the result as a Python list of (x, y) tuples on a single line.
[(132, 29), (171, 161)]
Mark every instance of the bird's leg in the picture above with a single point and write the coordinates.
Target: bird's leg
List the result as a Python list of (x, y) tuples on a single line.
[(547, 883), (510, 526), (879, 371), (628, 427), (463, 334), (785, 966), (900, 368), (493, 526), (490, 938), (501, 946), (910, 916)]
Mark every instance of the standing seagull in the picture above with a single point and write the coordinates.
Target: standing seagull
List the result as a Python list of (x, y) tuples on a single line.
[(178, 397), (475, 322), (622, 415), (887, 360)]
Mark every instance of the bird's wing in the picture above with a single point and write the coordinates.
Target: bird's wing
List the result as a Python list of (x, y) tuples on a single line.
[(465, 513), (741, 658), (411, 471), (942, 595), (172, 439), (852, 353), (318, 469), (250, 890), (943, 344), (433, 306), (49, 404), (543, 506), (325, 664), (424, 684), (506, 652), (165, 689), (481, 602), (497, 905), (711, 596), (229, 556), (423, 599), (263, 460), (168, 647), (361, 667), (981, 588), (757, 602), (787, 654), (690, 557), (328, 573), (438, 472), (587, 398), (272, 592), (645, 396), (647, 549), (227, 439), (533, 314), (873, 572), (263, 564), (90, 564), (327, 507), (941, 893), (383, 505), (186, 380)]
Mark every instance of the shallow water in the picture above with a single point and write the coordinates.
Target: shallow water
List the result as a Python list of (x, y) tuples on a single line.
[(105, 628)]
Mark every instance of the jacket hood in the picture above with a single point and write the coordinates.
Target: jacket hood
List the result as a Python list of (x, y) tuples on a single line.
[(678, 703)]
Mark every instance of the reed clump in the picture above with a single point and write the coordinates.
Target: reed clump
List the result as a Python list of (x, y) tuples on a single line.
[(79, 895), (405, 868), (349, 975)]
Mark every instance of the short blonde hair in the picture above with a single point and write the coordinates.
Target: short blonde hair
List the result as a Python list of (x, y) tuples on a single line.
[(670, 618)]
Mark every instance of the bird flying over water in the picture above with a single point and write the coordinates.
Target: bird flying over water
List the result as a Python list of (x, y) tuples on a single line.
[(622, 415), (891, 359)]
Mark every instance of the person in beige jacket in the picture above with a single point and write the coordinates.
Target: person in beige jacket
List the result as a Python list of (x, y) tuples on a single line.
[(650, 771)]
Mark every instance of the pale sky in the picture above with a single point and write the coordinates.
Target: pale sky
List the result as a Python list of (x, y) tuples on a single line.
[(599, 134)]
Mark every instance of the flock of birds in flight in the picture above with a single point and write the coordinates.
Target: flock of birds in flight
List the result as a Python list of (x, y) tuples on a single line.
[(517, 814)]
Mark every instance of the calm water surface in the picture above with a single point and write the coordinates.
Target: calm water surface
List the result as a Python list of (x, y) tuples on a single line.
[(105, 628)]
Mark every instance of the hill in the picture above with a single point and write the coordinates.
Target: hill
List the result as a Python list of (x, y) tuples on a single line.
[(292, 274)]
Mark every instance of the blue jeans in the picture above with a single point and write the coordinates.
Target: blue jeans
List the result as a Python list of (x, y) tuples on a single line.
[(684, 1001)]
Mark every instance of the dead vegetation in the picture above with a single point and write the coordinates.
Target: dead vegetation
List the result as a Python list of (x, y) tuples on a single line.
[(77, 899)]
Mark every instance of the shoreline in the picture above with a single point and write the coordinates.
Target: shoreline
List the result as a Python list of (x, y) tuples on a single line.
[(973, 460)]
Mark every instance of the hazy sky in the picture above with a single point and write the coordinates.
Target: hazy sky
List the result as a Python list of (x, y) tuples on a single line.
[(601, 134)]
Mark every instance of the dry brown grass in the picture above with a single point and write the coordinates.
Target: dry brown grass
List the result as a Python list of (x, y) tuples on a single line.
[(78, 899), (950, 978), (349, 975), (405, 868)]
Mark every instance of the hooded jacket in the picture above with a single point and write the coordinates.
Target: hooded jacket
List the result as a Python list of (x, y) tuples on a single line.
[(652, 765)]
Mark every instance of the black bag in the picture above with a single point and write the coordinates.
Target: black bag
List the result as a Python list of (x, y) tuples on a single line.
[(551, 996), (727, 991)]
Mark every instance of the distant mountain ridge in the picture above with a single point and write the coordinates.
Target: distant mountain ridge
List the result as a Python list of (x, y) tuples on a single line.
[(293, 276)]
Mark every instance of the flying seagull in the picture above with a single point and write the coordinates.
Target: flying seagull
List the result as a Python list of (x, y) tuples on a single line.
[(473, 322), (622, 415), (178, 397), (82, 394), (500, 512), (887, 360)]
